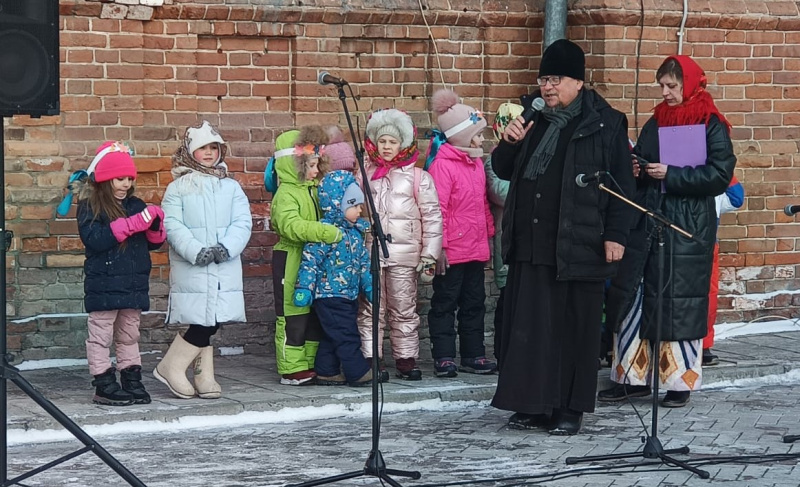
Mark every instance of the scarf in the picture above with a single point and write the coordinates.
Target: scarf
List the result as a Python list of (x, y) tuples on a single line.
[(697, 106), (405, 157), (182, 160), (543, 154)]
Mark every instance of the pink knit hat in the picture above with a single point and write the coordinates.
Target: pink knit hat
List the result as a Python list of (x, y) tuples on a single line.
[(113, 160), (459, 122), (340, 153)]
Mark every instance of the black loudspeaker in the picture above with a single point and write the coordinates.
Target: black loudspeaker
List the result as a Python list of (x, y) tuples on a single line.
[(29, 81)]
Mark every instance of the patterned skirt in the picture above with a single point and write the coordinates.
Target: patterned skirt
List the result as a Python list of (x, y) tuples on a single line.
[(680, 363)]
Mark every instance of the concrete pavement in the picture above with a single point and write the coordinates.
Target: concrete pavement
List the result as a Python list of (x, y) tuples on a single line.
[(250, 383)]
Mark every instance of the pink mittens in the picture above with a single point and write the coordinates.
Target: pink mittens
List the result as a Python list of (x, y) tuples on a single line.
[(155, 233), (122, 228)]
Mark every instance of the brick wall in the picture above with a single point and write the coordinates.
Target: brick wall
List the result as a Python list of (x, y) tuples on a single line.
[(142, 70)]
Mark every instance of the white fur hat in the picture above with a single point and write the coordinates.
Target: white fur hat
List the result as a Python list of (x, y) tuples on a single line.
[(391, 121), (199, 137)]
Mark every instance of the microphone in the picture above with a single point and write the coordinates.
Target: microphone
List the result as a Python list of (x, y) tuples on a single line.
[(536, 106), (325, 78), (583, 180), (790, 210)]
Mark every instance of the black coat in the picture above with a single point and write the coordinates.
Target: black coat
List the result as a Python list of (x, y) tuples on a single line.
[(689, 204), (587, 216), (116, 276)]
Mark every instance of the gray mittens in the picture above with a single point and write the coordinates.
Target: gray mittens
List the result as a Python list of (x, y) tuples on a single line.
[(204, 257), (220, 254)]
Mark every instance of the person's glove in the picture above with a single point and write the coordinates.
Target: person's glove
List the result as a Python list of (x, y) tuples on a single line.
[(204, 257), (122, 228), (368, 292), (155, 233), (442, 264), (427, 269), (301, 298), (220, 254)]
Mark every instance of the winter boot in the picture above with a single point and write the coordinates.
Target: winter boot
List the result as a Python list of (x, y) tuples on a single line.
[(364, 381), (131, 379), (172, 368), (407, 369), (108, 391), (204, 381)]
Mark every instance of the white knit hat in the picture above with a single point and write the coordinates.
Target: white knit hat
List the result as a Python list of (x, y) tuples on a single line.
[(199, 137)]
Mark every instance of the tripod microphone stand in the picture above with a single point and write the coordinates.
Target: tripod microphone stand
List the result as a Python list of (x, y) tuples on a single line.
[(8, 372), (375, 465), (653, 449)]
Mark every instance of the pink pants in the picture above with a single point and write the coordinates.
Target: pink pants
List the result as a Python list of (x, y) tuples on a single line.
[(399, 309), (120, 326)]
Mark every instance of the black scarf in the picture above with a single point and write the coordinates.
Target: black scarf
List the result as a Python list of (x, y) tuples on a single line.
[(558, 118)]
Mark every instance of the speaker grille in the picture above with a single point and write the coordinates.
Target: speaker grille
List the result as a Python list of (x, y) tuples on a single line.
[(29, 57)]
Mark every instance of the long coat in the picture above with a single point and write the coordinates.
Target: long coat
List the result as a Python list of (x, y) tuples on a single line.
[(200, 211), (689, 203), (116, 276)]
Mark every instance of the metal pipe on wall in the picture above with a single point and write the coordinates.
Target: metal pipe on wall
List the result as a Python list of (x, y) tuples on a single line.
[(555, 21)]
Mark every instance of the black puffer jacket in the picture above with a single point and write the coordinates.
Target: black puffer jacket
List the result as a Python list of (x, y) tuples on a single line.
[(689, 204), (115, 276), (587, 216)]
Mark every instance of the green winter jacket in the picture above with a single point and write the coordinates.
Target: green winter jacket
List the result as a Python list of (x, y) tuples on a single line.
[(295, 214)]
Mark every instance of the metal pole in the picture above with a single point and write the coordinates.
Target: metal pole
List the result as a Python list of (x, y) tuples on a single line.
[(555, 22)]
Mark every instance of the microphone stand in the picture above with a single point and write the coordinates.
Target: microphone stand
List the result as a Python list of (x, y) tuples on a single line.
[(652, 445), (10, 373), (375, 465)]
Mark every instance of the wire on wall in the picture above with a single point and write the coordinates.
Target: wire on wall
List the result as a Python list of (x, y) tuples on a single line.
[(433, 41)]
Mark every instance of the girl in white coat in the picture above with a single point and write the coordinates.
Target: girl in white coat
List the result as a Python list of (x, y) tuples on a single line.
[(208, 222)]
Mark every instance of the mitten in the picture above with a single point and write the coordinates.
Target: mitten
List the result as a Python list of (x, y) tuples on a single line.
[(220, 254), (155, 233), (442, 264), (204, 257), (301, 298), (368, 292), (427, 269), (122, 228)]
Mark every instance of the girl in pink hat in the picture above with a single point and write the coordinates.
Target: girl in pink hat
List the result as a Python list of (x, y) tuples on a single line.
[(118, 230)]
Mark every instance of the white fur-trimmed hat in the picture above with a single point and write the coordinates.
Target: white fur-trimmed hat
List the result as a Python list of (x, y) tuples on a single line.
[(204, 135), (391, 121)]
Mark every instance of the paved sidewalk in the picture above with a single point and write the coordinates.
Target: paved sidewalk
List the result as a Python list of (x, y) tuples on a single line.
[(250, 383)]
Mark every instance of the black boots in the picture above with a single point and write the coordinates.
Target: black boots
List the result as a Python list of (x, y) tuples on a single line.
[(108, 392), (131, 379)]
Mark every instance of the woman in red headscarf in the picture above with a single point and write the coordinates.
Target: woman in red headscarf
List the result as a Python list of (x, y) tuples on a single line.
[(681, 184)]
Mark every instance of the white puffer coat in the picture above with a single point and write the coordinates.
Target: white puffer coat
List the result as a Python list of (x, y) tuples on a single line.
[(413, 220), (200, 211)]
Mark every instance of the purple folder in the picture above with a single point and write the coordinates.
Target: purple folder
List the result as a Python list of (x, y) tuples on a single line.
[(682, 146)]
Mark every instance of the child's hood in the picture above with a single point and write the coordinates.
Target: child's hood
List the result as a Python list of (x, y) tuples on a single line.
[(331, 191), (285, 164)]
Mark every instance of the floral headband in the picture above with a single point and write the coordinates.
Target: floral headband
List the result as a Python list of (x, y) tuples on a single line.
[(309, 149)]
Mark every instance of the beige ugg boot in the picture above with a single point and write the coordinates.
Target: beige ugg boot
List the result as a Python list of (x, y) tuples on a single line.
[(172, 368), (204, 381)]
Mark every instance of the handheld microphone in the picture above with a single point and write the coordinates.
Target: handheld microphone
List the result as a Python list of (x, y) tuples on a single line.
[(325, 78), (641, 160), (790, 210), (583, 180), (536, 106)]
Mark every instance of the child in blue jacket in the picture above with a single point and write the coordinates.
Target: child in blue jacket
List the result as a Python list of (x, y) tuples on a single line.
[(332, 275)]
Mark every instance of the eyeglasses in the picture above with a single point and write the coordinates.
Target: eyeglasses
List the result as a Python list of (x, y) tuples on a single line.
[(554, 80)]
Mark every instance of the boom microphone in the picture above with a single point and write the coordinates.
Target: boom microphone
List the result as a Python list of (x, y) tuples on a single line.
[(790, 210), (325, 78), (536, 106), (583, 180)]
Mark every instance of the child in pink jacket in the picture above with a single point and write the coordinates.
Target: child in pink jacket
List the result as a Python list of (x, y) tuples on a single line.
[(467, 225)]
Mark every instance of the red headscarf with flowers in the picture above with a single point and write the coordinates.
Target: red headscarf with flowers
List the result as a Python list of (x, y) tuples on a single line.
[(697, 106)]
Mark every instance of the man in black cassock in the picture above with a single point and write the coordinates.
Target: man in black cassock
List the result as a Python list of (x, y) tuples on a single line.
[(561, 241)]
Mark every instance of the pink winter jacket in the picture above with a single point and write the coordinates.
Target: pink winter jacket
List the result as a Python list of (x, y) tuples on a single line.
[(467, 221), (413, 221)]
